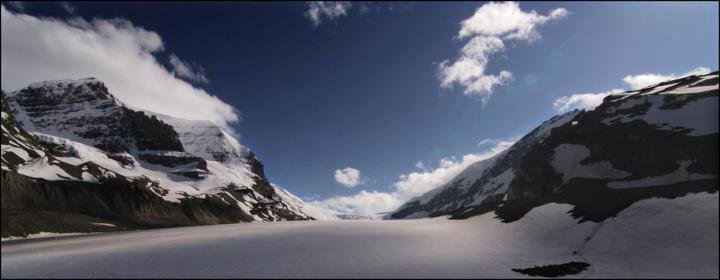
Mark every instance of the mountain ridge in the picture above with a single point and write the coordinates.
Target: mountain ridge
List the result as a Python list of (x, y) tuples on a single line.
[(663, 136), (74, 135)]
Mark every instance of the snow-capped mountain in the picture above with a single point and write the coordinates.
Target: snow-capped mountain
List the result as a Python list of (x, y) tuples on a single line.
[(660, 141), (105, 160)]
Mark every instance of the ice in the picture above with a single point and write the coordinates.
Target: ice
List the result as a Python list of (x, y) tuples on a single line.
[(46, 235), (652, 238)]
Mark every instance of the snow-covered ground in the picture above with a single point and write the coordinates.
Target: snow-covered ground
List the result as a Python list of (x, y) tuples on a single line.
[(652, 238)]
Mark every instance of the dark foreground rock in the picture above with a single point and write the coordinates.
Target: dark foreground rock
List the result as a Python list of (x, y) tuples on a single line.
[(554, 270)]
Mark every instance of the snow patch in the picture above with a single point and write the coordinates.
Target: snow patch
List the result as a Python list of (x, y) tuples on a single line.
[(677, 176), (566, 160)]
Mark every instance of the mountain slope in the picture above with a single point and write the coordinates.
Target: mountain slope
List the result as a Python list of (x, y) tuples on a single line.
[(74, 139), (660, 141)]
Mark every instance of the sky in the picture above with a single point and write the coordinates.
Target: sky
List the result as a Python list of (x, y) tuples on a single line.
[(360, 106)]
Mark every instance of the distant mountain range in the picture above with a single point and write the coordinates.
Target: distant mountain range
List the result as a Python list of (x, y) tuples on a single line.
[(659, 141), (75, 158)]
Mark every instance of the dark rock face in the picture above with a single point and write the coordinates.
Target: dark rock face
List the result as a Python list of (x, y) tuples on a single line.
[(150, 133), (554, 270), (23, 222), (114, 199), (129, 203), (614, 133), (87, 110), (173, 160), (123, 158), (192, 167), (262, 185)]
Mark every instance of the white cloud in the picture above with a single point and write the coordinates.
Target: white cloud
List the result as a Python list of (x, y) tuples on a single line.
[(317, 10), (70, 9), (113, 50), (491, 141), (185, 70), (491, 24), (417, 183), (349, 177), (591, 100), (408, 185), (586, 101), (648, 79), (363, 203), (507, 20)]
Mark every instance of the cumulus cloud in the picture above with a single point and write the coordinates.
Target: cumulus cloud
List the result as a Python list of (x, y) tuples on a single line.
[(367, 203), (491, 25), (185, 70), (349, 177), (582, 100), (507, 20), (648, 79), (113, 50), (408, 186), (589, 101), (317, 10)]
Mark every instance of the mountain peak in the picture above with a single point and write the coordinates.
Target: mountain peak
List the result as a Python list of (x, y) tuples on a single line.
[(66, 91)]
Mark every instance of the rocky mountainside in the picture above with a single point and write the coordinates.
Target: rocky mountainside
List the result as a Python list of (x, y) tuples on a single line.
[(74, 158), (660, 141)]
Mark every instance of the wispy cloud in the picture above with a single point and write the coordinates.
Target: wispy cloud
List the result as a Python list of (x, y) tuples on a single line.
[(643, 80), (184, 70), (408, 185), (420, 165), (491, 25), (115, 51), (319, 10), (348, 177), (581, 100), (589, 101), (70, 9)]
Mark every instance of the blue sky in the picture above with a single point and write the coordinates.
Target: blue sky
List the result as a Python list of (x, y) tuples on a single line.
[(363, 89)]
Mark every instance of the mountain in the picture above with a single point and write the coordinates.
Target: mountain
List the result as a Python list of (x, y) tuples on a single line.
[(659, 141), (75, 158)]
